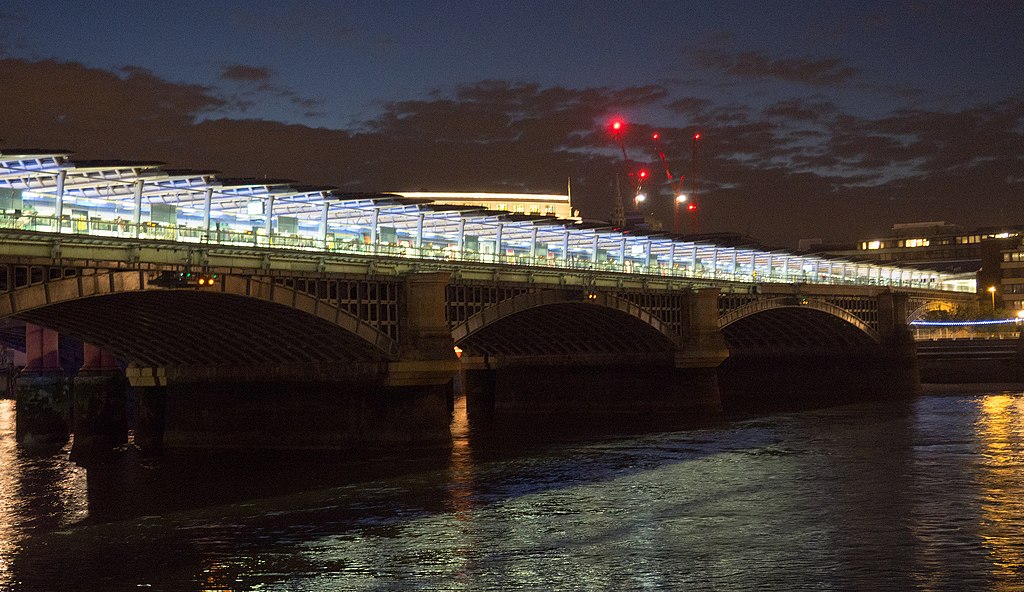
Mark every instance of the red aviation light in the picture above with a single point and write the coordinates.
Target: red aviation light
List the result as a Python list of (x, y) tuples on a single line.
[(617, 125)]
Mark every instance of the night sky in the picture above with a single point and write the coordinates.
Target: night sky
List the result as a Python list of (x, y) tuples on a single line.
[(819, 119)]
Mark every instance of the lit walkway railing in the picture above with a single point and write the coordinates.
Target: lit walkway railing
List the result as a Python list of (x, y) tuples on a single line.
[(122, 229)]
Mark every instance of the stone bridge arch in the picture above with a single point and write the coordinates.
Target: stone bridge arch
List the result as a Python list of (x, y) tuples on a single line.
[(240, 320), (926, 306), (564, 322), (795, 323)]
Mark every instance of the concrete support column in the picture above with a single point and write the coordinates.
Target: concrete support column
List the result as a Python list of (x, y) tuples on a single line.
[(100, 401), (325, 213), (43, 407), (137, 208)]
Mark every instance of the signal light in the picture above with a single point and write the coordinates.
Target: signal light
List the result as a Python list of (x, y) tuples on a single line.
[(617, 125), (691, 207), (643, 174), (207, 279), (655, 135), (696, 136)]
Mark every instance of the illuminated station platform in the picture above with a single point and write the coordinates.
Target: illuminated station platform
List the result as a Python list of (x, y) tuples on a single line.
[(49, 192)]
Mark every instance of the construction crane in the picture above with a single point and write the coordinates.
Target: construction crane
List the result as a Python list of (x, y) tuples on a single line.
[(676, 184)]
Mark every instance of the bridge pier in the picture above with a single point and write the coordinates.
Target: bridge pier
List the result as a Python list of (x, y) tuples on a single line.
[(704, 349), (149, 389), (898, 343), (100, 401), (43, 413)]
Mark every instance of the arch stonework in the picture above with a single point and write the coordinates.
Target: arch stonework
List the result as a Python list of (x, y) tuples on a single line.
[(529, 300), (929, 306), (32, 298), (765, 304)]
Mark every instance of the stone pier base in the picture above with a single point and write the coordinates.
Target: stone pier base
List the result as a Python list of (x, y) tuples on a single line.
[(761, 384), (566, 390), (295, 415), (43, 408), (100, 421), (150, 415)]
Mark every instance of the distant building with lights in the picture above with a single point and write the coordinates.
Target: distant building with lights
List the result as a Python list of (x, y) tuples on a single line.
[(994, 254), (537, 204)]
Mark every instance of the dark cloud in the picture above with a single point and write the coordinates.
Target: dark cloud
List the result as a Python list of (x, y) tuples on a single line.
[(798, 168), (749, 64), (261, 76), (241, 72), (799, 109), (692, 106)]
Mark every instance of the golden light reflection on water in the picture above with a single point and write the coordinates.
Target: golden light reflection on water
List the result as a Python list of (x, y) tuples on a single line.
[(1000, 430), (10, 475), (460, 469), (45, 491)]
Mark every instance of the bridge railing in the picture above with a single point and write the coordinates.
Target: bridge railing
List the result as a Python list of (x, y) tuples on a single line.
[(125, 229)]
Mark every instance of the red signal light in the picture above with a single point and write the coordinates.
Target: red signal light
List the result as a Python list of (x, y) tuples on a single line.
[(691, 207), (643, 174), (617, 125), (655, 135), (696, 136)]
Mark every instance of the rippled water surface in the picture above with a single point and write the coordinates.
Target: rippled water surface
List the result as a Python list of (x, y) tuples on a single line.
[(925, 494)]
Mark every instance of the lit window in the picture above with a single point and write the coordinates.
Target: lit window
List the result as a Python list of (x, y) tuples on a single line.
[(917, 242), (874, 245)]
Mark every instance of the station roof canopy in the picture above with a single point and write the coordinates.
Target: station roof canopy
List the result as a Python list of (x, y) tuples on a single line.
[(123, 182)]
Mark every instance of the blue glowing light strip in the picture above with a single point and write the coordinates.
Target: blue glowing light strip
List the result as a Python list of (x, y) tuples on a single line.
[(962, 323)]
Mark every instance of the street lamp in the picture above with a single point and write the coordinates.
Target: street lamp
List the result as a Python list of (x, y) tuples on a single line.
[(992, 291)]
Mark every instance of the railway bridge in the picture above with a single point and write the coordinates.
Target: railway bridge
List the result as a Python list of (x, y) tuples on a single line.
[(248, 347), (320, 318)]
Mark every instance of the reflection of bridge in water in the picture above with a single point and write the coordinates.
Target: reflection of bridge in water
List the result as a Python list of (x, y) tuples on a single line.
[(353, 305)]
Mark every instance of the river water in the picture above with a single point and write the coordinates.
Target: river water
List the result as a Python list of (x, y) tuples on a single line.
[(926, 494)]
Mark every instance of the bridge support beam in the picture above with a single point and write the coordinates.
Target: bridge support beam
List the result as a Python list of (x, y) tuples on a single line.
[(100, 401), (43, 407)]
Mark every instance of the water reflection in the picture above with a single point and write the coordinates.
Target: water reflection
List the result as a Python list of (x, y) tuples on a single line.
[(37, 493), (10, 477), (922, 495), (1001, 481)]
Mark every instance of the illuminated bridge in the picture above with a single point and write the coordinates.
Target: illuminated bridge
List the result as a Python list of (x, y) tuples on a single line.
[(215, 296)]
